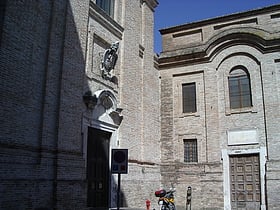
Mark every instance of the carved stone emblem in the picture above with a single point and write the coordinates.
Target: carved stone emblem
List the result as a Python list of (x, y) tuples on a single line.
[(109, 60)]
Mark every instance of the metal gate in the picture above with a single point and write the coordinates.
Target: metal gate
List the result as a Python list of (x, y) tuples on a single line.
[(245, 182)]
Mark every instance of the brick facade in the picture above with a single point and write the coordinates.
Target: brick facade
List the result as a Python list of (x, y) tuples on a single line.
[(204, 53), (50, 59), (51, 54)]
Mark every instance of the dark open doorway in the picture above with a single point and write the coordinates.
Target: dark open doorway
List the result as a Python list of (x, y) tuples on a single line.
[(98, 174)]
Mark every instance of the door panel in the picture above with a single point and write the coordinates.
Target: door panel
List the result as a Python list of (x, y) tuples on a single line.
[(245, 182), (98, 168)]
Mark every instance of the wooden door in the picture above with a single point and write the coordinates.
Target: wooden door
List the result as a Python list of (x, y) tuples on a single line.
[(245, 182), (98, 174)]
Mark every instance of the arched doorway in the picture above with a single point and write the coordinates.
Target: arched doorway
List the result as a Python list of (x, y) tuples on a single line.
[(100, 123)]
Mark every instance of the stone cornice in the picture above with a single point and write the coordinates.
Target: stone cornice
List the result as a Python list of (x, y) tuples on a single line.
[(152, 4), (256, 38), (221, 19)]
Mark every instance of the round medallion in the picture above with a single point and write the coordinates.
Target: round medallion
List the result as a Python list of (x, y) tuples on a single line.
[(107, 102)]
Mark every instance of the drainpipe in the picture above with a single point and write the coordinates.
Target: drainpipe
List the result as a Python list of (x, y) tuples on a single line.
[(58, 105)]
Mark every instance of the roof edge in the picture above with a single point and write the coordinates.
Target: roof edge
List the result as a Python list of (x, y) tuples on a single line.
[(224, 18)]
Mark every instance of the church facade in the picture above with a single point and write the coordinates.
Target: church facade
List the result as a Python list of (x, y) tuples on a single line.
[(76, 81), (80, 79), (220, 110)]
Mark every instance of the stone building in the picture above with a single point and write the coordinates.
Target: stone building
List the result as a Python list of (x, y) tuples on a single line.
[(77, 80), (220, 110)]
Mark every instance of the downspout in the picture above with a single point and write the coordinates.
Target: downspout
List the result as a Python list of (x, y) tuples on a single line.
[(264, 112), (265, 130), (205, 118), (44, 91), (55, 160)]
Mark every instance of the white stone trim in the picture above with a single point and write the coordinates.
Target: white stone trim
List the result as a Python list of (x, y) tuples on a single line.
[(243, 137)]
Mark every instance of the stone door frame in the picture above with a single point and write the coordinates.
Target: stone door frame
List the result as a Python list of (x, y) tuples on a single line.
[(226, 173)]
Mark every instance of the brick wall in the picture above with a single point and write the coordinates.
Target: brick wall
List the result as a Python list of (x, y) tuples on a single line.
[(204, 52), (50, 57)]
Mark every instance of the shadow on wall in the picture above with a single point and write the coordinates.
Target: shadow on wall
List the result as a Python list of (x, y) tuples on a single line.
[(42, 82), (2, 15)]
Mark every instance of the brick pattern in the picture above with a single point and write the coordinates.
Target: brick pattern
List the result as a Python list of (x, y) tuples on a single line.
[(198, 52), (50, 56)]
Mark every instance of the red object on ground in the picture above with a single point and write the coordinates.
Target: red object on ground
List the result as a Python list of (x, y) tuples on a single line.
[(148, 204)]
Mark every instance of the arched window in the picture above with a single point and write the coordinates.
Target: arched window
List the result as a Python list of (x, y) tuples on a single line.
[(239, 88)]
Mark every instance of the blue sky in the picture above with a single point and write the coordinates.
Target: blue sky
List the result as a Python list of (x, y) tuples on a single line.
[(177, 12)]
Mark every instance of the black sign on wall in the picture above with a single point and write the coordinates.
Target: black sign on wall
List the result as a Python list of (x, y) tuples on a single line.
[(119, 161)]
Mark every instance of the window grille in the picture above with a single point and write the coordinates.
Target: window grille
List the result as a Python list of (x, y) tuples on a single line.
[(190, 150), (189, 97)]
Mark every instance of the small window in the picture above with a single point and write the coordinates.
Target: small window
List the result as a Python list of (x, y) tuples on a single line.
[(189, 97), (190, 150), (106, 5), (239, 88)]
